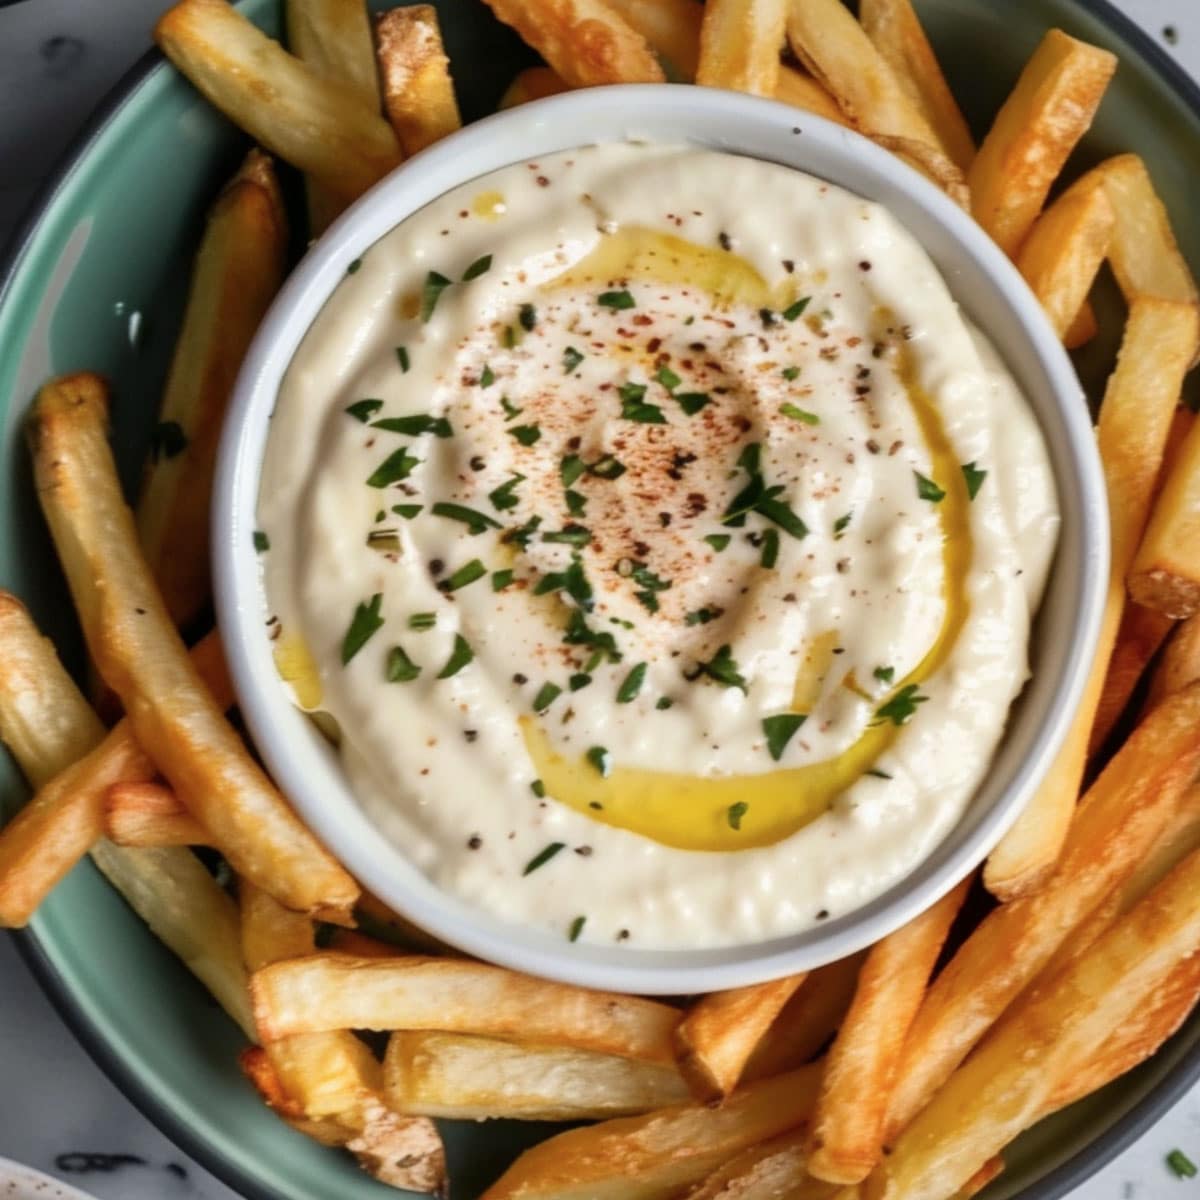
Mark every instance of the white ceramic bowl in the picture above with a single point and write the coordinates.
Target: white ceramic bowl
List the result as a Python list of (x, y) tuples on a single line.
[(991, 292)]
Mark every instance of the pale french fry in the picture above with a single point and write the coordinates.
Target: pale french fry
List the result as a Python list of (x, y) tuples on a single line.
[(148, 814), (717, 1036), (800, 90), (740, 42), (895, 30), (418, 93), (1083, 328), (670, 27), (778, 1167), (846, 1140), (1135, 419), (139, 653), (1063, 252), (654, 1157), (238, 270), (350, 941), (533, 83), (334, 38), (988, 1173), (1045, 115), (587, 42), (256, 1066), (317, 124), (1119, 820), (466, 1078), (334, 991), (270, 933), (807, 1021), (1007, 1083), (1180, 663)]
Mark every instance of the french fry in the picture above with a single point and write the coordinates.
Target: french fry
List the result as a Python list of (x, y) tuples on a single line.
[(1008, 1082), (533, 83), (895, 30), (654, 1157), (1083, 328), (1180, 663), (778, 1167), (418, 93), (1119, 820), (238, 270), (800, 90), (717, 1036), (256, 1066), (1063, 252), (467, 1078), (587, 42), (334, 38), (807, 1021), (350, 941), (1045, 115), (740, 42), (846, 1140), (319, 125), (148, 814), (139, 653), (334, 991), (1135, 418), (670, 27)]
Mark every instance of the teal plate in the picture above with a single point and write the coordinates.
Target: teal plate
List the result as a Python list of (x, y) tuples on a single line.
[(112, 237)]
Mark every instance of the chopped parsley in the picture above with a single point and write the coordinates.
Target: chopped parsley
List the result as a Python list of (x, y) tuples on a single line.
[(363, 410), (504, 497), (570, 360), (576, 929), (262, 543), (702, 616), (435, 285), (570, 469), (353, 265), (422, 621), (790, 373), (486, 377), (383, 541), (841, 525), (607, 467), (718, 541), (546, 696), (468, 573), (402, 358), (646, 580), (397, 466), (407, 511), (366, 622), (616, 300), (510, 409), (400, 668), (901, 706), (1181, 1165), (480, 266), (663, 703), (692, 402), (415, 425), (527, 435), (876, 773), (974, 478), (884, 674), (476, 522), (632, 684), (580, 633), (735, 813), (796, 308), (522, 535), (927, 489), (459, 657), (501, 579), (634, 408), (578, 681), (722, 668), (779, 730), (569, 535), (538, 788), (667, 378), (576, 503), (769, 554), (799, 414), (572, 580), (600, 758), (527, 317), (757, 497), (543, 857)]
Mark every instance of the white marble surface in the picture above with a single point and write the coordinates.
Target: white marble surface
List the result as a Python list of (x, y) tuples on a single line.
[(57, 58)]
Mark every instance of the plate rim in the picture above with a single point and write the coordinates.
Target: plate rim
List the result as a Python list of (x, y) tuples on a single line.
[(1056, 1184)]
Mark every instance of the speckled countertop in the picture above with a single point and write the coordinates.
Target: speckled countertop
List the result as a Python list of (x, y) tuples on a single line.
[(58, 1112)]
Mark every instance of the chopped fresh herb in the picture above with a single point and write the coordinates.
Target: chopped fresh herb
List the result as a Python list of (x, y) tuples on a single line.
[(841, 525), (769, 555), (667, 378), (884, 674), (501, 579), (504, 497), (510, 409), (722, 668), (527, 317), (480, 266), (799, 414), (580, 633), (522, 535), (576, 503), (366, 622), (363, 410), (573, 581), (616, 300), (435, 285), (353, 265), (508, 339), (415, 425), (407, 511), (757, 497), (476, 522), (901, 706), (486, 377), (647, 581), (543, 857), (400, 668), (692, 402), (778, 512), (630, 391), (877, 773), (779, 730), (570, 535), (576, 929), (422, 621), (383, 541), (638, 410), (974, 478), (607, 468), (927, 489), (632, 684), (1183, 1166), (718, 541), (570, 469), (459, 657), (599, 757), (790, 373), (527, 435), (538, 788), (402, 358), (467, 573), (398, 465), (262, 543), (546, 696), (663, 703), (578, 681), (735, 813), (571, 359), (702, 616), (795, 309)]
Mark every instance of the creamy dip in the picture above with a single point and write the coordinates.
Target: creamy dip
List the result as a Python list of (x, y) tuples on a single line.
[(661, 541)]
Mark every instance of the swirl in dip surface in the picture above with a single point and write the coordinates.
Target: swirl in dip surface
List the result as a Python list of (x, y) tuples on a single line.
[(662, 541)]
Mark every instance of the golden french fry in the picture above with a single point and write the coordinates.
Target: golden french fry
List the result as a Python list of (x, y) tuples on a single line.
[(654, 1157), (1119, 820), (1135, 419), (720, 1031), (988, 1173), (846, 1140), (670, 27), (1083, 328), (334, 991), (895, 30), (319, 125), (256, 1066), (1047, 112), (587, 42), (139, 653), (148, 814), (467, 1078), (801, 90), (1007, 1084), (238, 270), (740, 42), (778, 1167), (1180, 663), (533, 83), (418, 93), (1063, 252), (350, 941), (808, 1020)]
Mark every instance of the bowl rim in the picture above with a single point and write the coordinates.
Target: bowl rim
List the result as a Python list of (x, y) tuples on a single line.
[(304, 766)]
